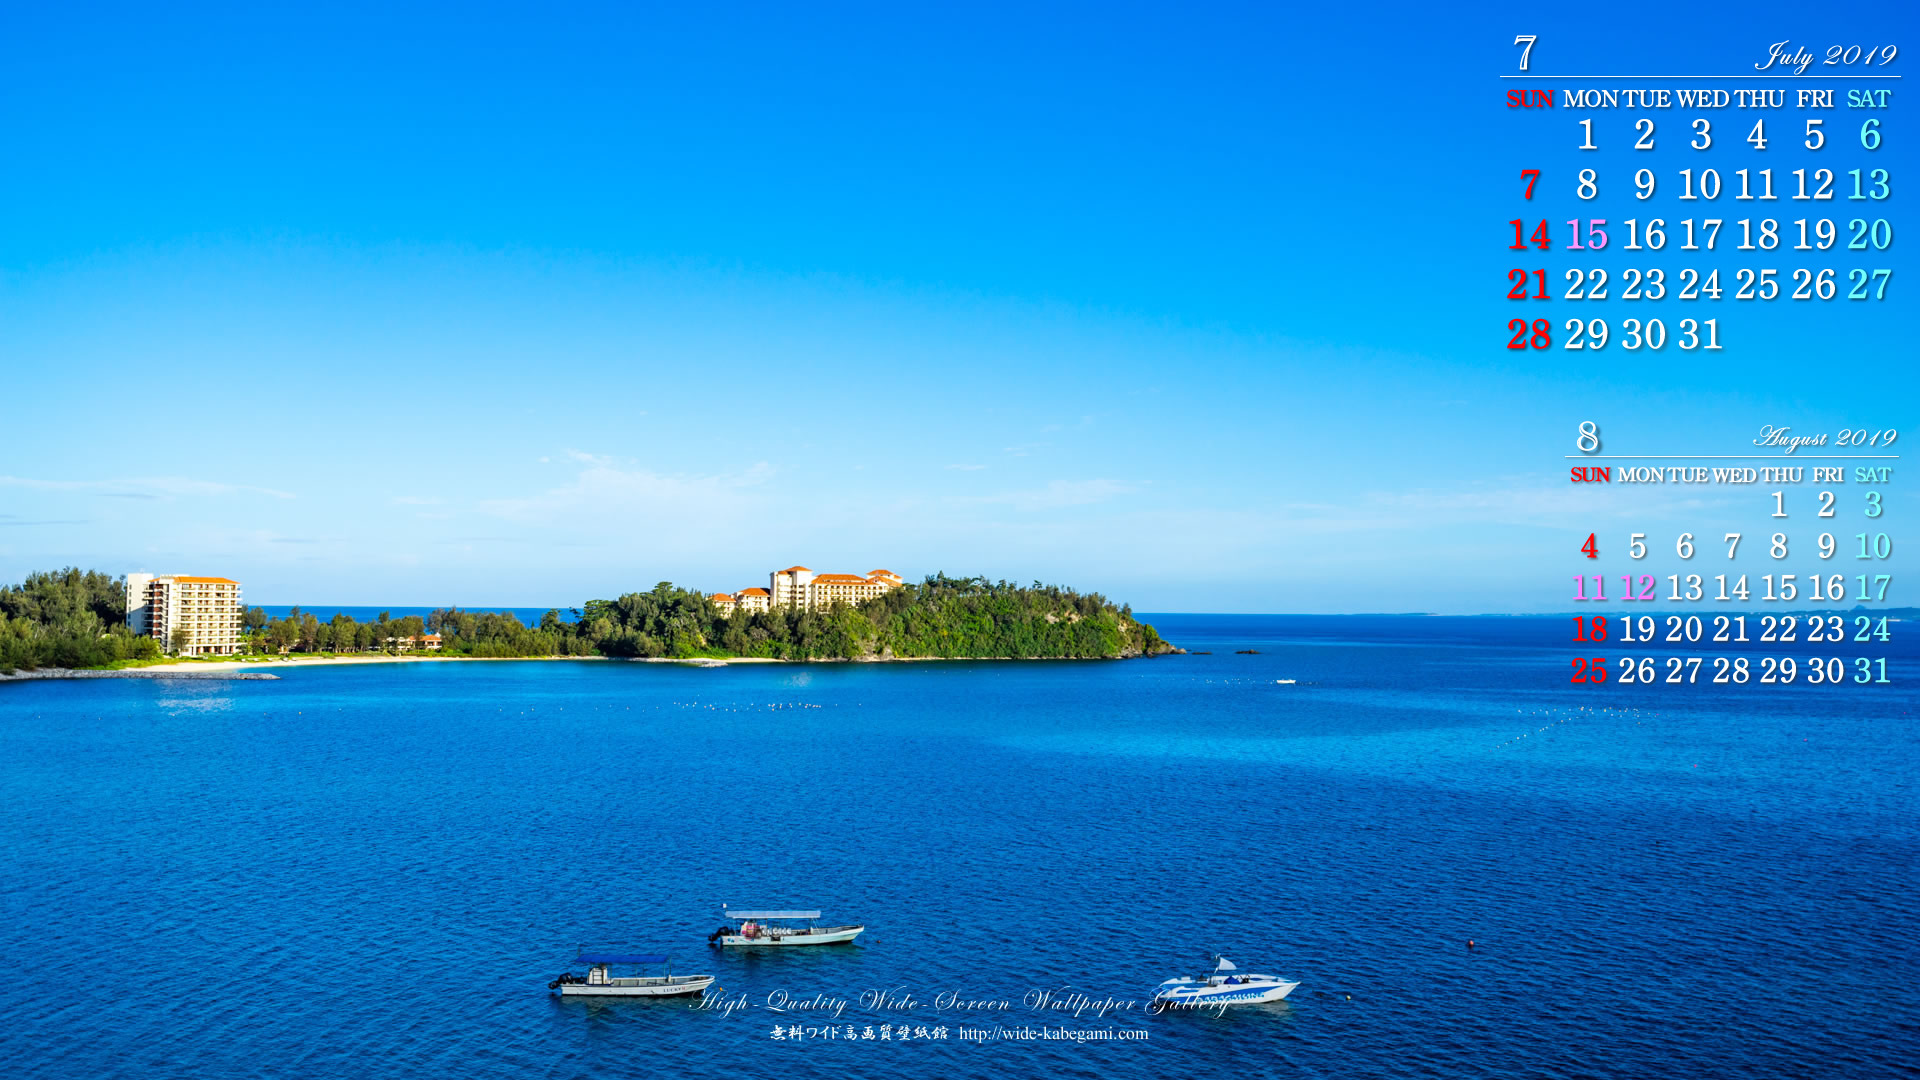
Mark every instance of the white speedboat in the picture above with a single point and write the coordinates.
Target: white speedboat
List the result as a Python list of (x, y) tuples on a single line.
[(780, 928), (598, 983), (1226, 985)]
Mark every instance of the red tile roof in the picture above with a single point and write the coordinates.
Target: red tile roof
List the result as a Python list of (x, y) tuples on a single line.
[(792, 569), (721, 598), (753, 592), (836, 579), (206, 580)]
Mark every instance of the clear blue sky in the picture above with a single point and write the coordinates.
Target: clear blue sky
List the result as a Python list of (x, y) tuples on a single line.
[(1200, 308)]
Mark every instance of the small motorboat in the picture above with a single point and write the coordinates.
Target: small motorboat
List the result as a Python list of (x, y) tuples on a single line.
[(1226, 985), (780, 928), (598, 983)]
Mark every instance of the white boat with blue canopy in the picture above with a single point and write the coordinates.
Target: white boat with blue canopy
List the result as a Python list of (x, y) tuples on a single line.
[(1226, 985), (599, 981), (780, 928)]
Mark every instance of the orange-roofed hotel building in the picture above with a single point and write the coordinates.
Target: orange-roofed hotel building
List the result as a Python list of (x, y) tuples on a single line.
[(208, 608), (797, 586)]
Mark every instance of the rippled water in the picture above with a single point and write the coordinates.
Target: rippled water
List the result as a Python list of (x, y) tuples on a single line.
[(376, 870)]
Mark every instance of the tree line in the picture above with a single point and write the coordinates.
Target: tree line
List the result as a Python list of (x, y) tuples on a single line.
[(68, 618), (462, 633)]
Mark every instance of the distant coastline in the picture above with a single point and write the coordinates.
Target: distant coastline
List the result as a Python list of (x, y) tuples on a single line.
[(71, 619)]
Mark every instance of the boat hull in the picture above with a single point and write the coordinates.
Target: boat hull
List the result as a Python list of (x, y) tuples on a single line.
[(678, 986), (1189, 995), (826, 935)]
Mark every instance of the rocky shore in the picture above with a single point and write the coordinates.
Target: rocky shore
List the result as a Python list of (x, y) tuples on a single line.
[(131, 673)]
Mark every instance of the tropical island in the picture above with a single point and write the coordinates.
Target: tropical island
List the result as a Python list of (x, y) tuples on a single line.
[(78, 619)]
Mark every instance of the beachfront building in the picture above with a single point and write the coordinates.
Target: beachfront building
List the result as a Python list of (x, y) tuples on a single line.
[(425, 642), (194, 616), (830, 589), (800, 587), (797, 586), (790, 586)]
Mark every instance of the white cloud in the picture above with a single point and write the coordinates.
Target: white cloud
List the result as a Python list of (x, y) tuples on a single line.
[(149, 486), (606, 490), (1060, 493), (1514, 501)]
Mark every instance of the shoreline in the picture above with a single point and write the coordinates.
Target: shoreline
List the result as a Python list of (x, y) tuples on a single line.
[(250, 669), (131, 673), (264, 669)]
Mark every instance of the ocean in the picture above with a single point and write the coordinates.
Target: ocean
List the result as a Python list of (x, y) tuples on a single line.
[(362, 613), (376, 870)]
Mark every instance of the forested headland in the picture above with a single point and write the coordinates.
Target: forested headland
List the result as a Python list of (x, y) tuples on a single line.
[(955, 618), (68, 618), (72, 618)]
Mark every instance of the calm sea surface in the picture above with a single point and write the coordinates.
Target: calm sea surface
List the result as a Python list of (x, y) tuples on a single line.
[(359, 871), (366, 614)]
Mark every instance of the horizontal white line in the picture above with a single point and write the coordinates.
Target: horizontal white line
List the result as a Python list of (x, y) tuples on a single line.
[(1740, 456), (1755, 75)]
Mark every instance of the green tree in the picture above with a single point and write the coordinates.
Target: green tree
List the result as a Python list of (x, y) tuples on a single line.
[(346, 636)]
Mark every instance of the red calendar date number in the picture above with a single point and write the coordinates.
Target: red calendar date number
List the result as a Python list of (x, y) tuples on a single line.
[(1535, 335)]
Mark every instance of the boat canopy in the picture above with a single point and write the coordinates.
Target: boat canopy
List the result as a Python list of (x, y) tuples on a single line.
[(773, 914), (619, 958)]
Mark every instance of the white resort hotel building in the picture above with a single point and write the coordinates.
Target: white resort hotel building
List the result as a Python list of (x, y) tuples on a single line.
[(207, 609), (797, 586)]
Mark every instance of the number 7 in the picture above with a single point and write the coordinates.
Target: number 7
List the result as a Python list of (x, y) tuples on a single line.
[(1733, 542), (1528, 51), (1533, 176)]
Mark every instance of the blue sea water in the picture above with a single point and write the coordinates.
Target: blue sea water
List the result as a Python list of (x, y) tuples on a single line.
[(365, 613), (376, 870)]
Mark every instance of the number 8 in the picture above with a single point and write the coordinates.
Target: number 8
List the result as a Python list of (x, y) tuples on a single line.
[(1589, 184)]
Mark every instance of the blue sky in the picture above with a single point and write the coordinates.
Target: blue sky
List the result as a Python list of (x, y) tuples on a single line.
[(1200, 308)]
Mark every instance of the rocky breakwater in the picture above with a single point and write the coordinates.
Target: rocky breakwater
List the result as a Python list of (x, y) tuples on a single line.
[(130, 673)]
